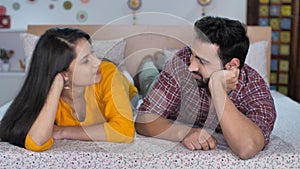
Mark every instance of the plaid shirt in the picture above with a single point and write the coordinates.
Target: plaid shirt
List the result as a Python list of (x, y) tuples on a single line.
[(176, 96)]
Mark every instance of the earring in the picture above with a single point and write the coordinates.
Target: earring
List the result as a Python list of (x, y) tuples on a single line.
[(67, 85)]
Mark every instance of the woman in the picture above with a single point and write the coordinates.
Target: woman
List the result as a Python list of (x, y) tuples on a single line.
[(69, 94)]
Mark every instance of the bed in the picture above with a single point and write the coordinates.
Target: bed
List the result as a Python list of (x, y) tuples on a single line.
[(128, 45)]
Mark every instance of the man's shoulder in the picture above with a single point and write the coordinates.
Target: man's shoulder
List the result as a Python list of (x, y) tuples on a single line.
[(181, 57), (249, 77), (249, 72)]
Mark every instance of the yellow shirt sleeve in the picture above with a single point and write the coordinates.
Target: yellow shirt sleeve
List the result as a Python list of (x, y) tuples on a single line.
[(31, 145), (116, 92)]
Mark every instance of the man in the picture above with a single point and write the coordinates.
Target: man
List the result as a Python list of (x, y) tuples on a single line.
[(207, 88)]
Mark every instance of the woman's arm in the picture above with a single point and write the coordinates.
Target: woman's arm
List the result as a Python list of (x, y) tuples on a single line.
[(112, 91), (41, 130)]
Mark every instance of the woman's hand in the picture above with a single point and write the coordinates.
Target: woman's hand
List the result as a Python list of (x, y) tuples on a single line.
[(57, 132), (58, 83)]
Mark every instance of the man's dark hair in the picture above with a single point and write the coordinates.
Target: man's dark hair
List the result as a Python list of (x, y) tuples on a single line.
[(229, 35)]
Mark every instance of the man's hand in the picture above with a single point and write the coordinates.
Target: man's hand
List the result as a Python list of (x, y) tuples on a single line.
[(228, 79), (199, 139)]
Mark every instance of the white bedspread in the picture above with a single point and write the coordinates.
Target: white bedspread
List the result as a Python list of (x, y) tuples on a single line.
[(283, 151)]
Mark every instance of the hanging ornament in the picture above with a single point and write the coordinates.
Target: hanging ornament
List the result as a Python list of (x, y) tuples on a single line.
[(81, 16), (134, 5), (67, 5), (204, 3)]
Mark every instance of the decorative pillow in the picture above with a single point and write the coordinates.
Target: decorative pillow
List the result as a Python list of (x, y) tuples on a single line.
[(3, 109), (29, 42), (110, 49), (257, 58)]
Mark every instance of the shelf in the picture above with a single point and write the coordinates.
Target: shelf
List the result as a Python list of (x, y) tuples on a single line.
[(19, 73)]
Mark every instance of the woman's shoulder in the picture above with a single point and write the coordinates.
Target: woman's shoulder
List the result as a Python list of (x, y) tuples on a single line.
[(107, 67)]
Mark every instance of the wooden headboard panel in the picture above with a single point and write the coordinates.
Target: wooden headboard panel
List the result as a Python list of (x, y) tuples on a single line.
[(146, 39)]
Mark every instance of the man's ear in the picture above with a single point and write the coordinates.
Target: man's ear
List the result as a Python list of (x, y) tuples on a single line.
[(234, 63)]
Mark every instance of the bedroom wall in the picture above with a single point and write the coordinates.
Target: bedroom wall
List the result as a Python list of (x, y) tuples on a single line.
[(25, 12)]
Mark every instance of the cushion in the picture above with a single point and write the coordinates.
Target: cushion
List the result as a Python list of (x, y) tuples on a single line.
[(29, 42), (3, 109), (257, 58), (110, 49)]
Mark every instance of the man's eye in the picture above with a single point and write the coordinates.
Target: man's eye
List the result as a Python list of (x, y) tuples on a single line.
[(203, 61)]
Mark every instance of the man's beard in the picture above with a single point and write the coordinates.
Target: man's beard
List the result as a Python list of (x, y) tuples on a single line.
[(203, 83)]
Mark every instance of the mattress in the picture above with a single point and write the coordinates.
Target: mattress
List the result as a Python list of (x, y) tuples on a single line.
[(283, 151)]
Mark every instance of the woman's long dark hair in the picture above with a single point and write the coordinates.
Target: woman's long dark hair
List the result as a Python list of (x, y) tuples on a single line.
[(52, 55)]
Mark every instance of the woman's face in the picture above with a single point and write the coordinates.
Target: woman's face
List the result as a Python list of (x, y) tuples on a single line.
[(84, 69)]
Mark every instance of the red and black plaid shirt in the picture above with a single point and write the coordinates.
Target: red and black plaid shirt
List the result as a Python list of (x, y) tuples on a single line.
[(176, 96)]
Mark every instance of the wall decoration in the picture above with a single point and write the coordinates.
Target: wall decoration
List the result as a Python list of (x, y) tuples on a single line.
[(32, 1), (51, 6), (204, 3), (286, 10), (274, 23), (67, 5), (283, 90), (81, 16), (283, 78), (275, 1), (263, 10), (264, 1), (274, 49), (285, 36), (285, 49), (2, 10), (279, 15), (274, 64), (84, 1), (274, 10), (4, 19), (284, 65), (285, 23), (273, 78), (275, 36), (134, 5), (16, 6), (263, 21)]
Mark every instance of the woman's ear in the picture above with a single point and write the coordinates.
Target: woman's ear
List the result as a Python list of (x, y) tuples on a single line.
[(65, 75), (234, 63)]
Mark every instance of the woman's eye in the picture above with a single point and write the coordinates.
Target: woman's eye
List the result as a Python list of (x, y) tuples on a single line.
[(85, 61)]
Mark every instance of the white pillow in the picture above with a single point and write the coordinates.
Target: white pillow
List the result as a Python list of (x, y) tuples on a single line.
[(3, 109), (29, 42), (257, 58), (110, 49)]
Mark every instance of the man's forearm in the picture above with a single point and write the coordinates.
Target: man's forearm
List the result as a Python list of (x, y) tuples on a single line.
[(163, 127)]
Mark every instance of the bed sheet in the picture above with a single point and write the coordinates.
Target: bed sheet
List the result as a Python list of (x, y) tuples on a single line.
[(281, 152)]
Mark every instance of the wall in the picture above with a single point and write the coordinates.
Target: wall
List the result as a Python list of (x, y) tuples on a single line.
[(97, 12), (105, 11)]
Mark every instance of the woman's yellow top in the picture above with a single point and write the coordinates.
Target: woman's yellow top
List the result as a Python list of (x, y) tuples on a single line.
[(107, 102)]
